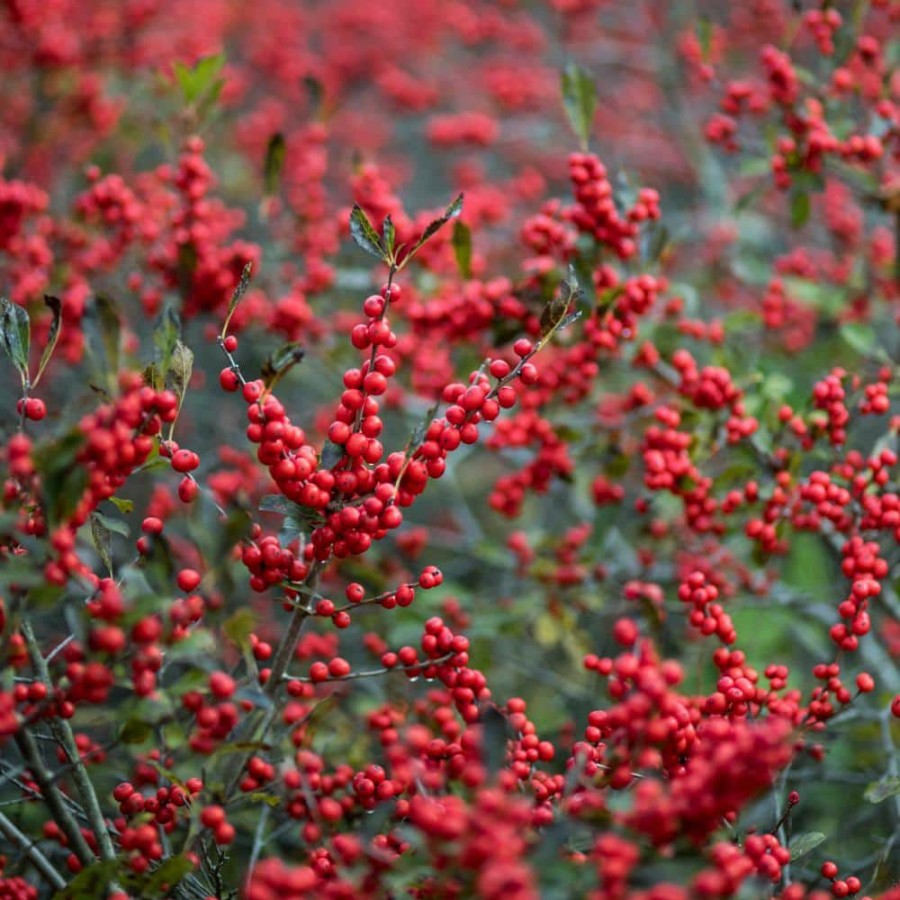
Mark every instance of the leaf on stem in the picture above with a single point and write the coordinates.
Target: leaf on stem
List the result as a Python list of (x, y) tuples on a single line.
[(110, 322), (280, 362), (180, 370), (55, 306), (365, 235), (15, 335), (166, 337), (237, 295), (433, 227), (388, 235)]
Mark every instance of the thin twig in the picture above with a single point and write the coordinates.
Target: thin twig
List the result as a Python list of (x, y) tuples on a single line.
[(32, 851)]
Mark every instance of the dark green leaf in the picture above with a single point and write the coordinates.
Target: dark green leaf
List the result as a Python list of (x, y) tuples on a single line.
[(451, 212), (63, 481), (275, 152), (169, 873), (801, 844), (462, 248), (91, 882), (495, 735), (280, 362), (388, 235), (579, 100), (15, 334), (365, 235), (180, 369), (55, 306), (801, 207), (331, 455), (315, 92), (654, 242), (276, 503), (859, 336), (135, 731), (110, 322), (115, 526), (881, 790), (418, 434), (236, 295), (556, 312), (102, 539), (239, 626), (166, 337)]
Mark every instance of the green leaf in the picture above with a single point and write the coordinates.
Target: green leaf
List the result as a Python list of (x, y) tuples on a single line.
[(15, 335), (121, 504), (180, 369), (579, 100), (114, 526), (110, 322), (275, 152), (102, 539), (201, 78), (365, 235), (556, 312), (315, 92), (239, 626), (655, 240), (801, 207), (135, 731), (55, 306), (331, 455), (166, 337), (260, 797), (276, 503), (495, 736), (859, 336), (803, 843), (388, 235), (237, 294), (169, 873), (91, 882), (451, 212), (63, 482), (881, 790), (462, 248), (280, 362)]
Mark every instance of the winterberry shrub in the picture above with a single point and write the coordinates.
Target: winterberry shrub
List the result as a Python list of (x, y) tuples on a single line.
[(449, 451)]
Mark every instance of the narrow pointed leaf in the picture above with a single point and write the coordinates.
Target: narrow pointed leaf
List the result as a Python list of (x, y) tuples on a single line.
[(236, 295), (579, 101), (433, 227), (388, 235), (55, 306), (881, 790), (102, 539), (110, 322), (165, 337), (803, 843), (275, 153), (462, 248), (180, 370)]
